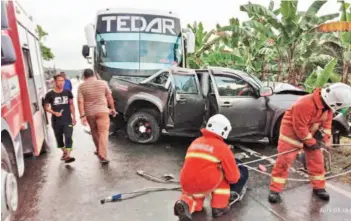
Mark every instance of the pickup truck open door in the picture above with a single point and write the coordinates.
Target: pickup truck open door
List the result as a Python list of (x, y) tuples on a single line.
[(187, 103)]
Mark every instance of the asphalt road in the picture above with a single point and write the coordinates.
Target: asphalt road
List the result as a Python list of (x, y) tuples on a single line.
[(52, 190)]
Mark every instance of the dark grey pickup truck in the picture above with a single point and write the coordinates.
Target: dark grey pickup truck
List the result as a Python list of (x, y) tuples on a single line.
[(179, 101)]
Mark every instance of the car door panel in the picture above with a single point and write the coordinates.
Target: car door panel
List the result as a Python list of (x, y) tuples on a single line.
[(238, 101), (189, 103)]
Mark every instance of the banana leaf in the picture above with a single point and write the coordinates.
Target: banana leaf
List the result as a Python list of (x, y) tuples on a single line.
[(334, 77), (323, 76), (260, 11), (320, 76), (288, 10), (309, 82)]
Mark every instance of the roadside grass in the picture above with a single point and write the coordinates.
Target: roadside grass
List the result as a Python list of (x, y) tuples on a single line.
[(341, 160)]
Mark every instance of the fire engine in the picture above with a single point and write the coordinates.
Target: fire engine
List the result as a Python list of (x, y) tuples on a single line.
[(24, 122)]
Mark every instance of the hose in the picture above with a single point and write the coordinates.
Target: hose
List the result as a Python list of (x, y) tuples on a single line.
[(140, 192)]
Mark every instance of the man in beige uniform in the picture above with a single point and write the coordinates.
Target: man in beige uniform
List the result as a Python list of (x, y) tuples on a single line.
[(93, 97)]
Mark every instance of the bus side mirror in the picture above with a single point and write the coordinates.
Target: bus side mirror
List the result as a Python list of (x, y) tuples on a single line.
[(8, 55), (85, 51), (190, 40), (90, 35)]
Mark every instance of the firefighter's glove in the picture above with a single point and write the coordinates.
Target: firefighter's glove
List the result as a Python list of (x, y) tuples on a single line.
[(318, 145)]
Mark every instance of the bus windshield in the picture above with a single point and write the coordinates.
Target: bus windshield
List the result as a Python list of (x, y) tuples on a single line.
[(140, 51), (138, 44)]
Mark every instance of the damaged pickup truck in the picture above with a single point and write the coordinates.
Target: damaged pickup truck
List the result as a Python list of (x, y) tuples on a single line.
[(179, 101)]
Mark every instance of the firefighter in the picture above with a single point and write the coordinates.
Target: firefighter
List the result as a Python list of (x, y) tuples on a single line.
[(302, 122), (209, 168)]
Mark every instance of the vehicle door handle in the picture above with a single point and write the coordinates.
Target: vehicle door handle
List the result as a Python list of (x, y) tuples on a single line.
[(226, 104), (181, 99)]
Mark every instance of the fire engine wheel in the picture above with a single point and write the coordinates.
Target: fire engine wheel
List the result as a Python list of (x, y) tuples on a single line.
[(143, 127), (9, 190)]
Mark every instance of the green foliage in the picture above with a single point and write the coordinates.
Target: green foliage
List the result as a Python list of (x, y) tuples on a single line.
[(320, 76), (45, 51)]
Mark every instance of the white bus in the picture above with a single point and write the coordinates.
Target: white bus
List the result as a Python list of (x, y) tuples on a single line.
[(134, 44)]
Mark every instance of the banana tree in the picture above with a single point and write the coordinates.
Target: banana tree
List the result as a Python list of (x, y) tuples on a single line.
[(204, 43), (245, 47), (289, 32), (344, 27)]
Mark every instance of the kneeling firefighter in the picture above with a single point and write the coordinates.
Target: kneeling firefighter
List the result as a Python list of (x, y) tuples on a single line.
[(301, 126), (209, 169)]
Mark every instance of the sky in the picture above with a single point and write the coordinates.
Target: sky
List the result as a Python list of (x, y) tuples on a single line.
[(64, 20)]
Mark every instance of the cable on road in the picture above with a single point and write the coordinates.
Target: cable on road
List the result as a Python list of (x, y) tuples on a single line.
[(160, 180), (167, 180)]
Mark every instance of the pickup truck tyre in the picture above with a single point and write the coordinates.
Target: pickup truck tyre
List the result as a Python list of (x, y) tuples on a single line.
[(143, 127), (276, 132)]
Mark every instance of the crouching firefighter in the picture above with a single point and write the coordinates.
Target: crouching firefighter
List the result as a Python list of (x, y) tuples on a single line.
[(299, 129), (209, 169)]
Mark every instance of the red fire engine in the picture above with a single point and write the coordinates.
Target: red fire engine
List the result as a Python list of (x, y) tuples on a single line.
[(23, 119)]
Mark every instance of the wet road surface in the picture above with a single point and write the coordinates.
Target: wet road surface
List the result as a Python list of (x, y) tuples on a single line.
[(52, 190)]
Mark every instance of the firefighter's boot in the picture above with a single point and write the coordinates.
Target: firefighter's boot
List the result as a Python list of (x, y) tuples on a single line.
[(274, 197), (181, 209), (321, 194), (219, 212)]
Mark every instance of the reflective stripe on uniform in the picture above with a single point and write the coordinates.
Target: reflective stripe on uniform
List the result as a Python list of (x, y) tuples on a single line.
[(222, 191), (309, 136), (203, 156), (278, 180), (198, 195), (290, 140), (327, 131), (324, 116), (314, 128), (193, 207), (319, 177)]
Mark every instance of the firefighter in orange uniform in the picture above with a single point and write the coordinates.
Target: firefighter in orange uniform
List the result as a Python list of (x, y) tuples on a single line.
[(309, 116), (209, 169)]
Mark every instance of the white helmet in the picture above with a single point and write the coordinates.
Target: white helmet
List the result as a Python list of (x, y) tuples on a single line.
[(337, 96), (219, 125)]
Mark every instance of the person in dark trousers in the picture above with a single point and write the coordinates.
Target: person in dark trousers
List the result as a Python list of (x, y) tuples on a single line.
[(59, 103), (68, 84)]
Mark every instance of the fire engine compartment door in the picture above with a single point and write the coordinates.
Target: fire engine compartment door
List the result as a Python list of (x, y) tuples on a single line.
[(30, 80), (189, 103)]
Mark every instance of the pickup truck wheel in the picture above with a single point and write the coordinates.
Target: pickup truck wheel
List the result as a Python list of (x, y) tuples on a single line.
[(276, 132), (142, 127)]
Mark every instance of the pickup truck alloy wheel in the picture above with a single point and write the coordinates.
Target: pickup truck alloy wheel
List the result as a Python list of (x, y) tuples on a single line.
[(143, 128)]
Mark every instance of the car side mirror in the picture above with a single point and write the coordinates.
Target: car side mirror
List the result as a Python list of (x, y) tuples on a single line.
[(85, 51), (8, 55), (266, 91)]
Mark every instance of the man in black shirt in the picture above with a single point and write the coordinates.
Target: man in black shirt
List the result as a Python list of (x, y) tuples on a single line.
[(59, 103)]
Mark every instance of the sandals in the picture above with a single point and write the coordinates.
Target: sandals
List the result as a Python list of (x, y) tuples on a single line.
[(69, 159), (63, 156), (102, 160)]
